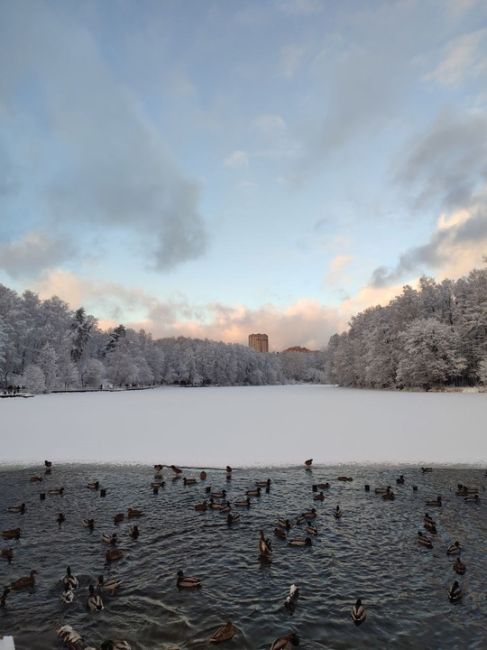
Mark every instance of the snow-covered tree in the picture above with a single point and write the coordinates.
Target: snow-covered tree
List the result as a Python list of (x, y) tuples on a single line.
[(33, 379)]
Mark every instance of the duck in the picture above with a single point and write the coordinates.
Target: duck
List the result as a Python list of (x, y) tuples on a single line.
[(201, 507), (203, 475), (292, 597), (118, 518), (221, 494), (216, 506), (231, 519), (134, 532), (428, 519), (110, 539), (308, 462), (309, 515), (20, 509), (424, 541), (284, 523), (67, 596), (337, 513), (24, 582), (358, 612), (48, 464), (94, 485), (226, 508), (430, 526), (263, 484), (60, 519), (3, 597), (223, 633), (455, 593), (70, 581), (56, 491), (279, 532), (344, 478), (133, 513), (115, 645), (187, 582), (388, 495), (95, 602), (320, 486), (13, 533), (286, 642), (253, 493), (435, 502), (177, 470), (400, 480), (242, 504), (189, 481), (300, 542), (36, 479), (114, 554), (472, 498), (311, 530), (156, 485), (70, 637), (319, 497), (265, 548), (459, 567), (158, 468), (382, 490), (454, 549), (109, 586), (89, 523), (7, 554), (426, 469)]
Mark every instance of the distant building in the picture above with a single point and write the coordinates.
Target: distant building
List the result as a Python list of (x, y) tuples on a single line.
[(297, 348), (259, 342)]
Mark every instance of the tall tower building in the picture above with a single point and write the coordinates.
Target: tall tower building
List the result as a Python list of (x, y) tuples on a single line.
[(259, 342)]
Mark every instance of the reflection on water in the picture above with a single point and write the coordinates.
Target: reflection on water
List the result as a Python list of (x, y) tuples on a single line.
[(371, 552)]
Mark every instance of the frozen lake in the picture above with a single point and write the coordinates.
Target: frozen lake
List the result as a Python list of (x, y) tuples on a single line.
[(268, 425)]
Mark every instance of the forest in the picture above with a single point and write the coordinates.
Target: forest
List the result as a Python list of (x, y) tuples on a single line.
[(435, 336), (46, 347)]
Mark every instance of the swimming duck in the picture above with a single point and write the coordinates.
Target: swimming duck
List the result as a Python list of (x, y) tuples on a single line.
[(7, 554), (47, 463), (3, 597), (187, 582), (95, 602), (231, 519), (224, 633), (94, 485), (70, 581), (157, 484), (218, 495), (265, 549), (319, 497), (308, 462), (109, 586), (133, 513), (89, 523), (36, 479), (309, 515), (13, 533), (455, 593), (286, 642), (61, 518), (454, 549), (430, 526), (428, 519), (158, 468), (424, 541), (435, 502), (55, 491), (216, 506), (311, 530), (292, 597), (115, 645), (400, 480), (25, 582), (118, 518), (388, 495), (300, 542), (242, 504), (177, 470), (110, 539), (279, 532), (189, 481), (358, 612), (226, 507), (344, 478), (382, 490), (459, 567), (320, 486), (203, 475), (337, 513), (71, 639), (201, 507), (114, 554), (426, 469), (134, 532), (20, 509), (472, 498), (284, 523), (67, 596), (263, 484)]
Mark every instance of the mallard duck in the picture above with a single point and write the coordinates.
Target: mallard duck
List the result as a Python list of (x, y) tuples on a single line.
[(56, 491), (263, 484), (430, 526), (292, 597), (67, 596), (337, 513), (110, 539), (284, 523), (95, 602), (428, 519), (308, 462), (309, 515), (426, 469), (7, 554), (134, 532), (228, 469), (70, 581), (216, 506), (118, 518), (381, 490), (133, 513), (242, 504), (95, 485), (47, 463), (226, 508), (400, 480), (203, 475), (311, 530), (158, 468), (300, 542), (25, 582), (187, 582), (459, 567), (109, 586), (388, 495), (344, 478), (319, 497), (265, 549), (253, 493), (13, 533), (472, 498), (20, 509), (3, 597), (424, 541), (435, 502), (221, 494), (279, 532), (114, 554), (231, 519), (454, 549), (177, 470), (89, 523), (358, 612), (115, 645), (71, 639), (224, 633), (36, 479), (189, 481), (455, 593), (286, 642), (60, 519), (320, 486), (201, 507)]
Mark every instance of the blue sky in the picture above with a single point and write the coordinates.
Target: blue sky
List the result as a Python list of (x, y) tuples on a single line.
[(214, 167)]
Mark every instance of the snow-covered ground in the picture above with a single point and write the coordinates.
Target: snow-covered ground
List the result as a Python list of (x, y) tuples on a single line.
[(268, 425)]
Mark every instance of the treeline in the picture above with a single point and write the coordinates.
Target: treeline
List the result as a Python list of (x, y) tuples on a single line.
[(433, 336), (45, 346)]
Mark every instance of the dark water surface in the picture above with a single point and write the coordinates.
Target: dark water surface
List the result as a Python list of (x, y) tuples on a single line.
[(370, 553)]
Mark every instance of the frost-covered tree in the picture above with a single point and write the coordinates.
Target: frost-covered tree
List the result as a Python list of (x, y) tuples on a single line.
[(47, 361), (33, 379)]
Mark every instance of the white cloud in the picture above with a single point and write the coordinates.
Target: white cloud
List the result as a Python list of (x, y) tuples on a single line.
[(462, 57), (269, 123), (236, 159), (290, 59)]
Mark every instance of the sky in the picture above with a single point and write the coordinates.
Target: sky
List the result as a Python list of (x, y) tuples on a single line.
[(214, 168)]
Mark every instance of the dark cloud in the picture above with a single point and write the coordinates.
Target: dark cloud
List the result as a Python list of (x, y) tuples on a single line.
[(33, 253)]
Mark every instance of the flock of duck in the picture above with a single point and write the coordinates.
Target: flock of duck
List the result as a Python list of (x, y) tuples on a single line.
[(215, 500)]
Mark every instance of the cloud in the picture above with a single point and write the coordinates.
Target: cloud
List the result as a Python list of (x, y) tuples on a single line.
[(462, 57), (102, 161), (337, 270), (33, 253), (290, 59), (236, 160), (269, 123), (300, 7)]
